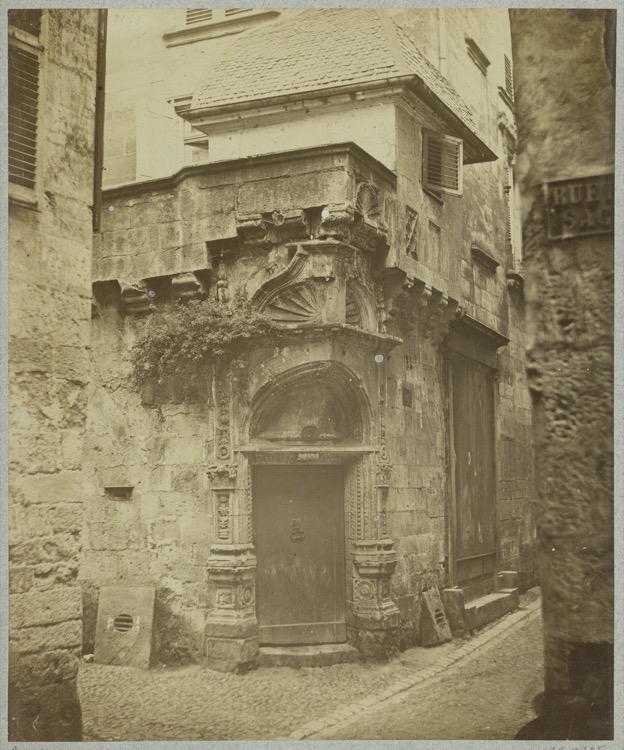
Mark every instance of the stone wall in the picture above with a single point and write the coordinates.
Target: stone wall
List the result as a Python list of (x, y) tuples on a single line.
[(565, 98), (49, 300)]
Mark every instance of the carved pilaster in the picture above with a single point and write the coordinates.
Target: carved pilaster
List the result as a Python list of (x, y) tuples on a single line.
[(231, 626), (222, 419), (384, 471), (374, 619)]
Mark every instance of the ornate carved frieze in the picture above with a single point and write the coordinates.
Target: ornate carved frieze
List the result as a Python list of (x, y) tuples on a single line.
[(187, 286), (221, 472), (135, 298), (374, 558), (223, 514)]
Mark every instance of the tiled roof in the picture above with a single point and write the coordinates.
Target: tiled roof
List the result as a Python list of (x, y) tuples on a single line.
[(317, 50)]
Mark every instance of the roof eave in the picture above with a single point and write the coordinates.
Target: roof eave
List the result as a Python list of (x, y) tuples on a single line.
[(195, 115)]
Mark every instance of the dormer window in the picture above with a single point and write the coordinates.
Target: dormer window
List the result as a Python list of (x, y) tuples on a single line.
[(442, 163)]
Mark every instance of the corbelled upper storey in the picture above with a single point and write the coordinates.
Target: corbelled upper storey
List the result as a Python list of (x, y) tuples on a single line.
[(325, 51)]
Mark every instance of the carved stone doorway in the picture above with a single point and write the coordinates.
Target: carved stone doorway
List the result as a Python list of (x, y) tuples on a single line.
[(300, 550)]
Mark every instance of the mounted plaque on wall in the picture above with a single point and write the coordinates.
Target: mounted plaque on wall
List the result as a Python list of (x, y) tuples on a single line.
[(579, 207)]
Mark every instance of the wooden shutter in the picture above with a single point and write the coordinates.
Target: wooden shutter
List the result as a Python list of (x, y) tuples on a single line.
[(442, 163), (508, 78), (23, 99)]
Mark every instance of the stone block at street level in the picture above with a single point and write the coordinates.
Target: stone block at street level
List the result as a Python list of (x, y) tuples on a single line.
[(454, 606), (48, 713), (44, 607), (44, 668), (230, 654)]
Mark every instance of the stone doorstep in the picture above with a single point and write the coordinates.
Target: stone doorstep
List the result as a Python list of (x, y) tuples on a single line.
[(479, 612), (307, 656)]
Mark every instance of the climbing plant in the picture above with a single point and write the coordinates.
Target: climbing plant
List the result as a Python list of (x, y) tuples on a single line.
[(194, 332)]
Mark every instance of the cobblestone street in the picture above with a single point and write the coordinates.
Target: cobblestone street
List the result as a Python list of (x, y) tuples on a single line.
[(192, 703)]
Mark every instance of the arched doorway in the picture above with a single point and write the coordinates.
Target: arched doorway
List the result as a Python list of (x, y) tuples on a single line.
[(307, 432)]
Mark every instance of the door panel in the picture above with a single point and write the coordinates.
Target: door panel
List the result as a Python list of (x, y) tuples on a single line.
[(299, 539), (475, 476)]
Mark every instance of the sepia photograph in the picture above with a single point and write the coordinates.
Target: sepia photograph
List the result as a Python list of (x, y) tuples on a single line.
[(309, 375)]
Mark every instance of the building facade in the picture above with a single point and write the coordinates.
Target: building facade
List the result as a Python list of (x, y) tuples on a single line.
[(325, 483), (52, 58)]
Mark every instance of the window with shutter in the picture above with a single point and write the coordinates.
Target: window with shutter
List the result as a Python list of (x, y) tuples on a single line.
[(24, 62), (442, 163), (508, 78)]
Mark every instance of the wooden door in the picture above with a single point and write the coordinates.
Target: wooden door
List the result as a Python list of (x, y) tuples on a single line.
[(472, 402), (299, 539)]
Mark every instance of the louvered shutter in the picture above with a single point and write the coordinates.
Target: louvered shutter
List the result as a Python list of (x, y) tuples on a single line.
[(198, 15), (508, 78), (442, 163), (23, 100)]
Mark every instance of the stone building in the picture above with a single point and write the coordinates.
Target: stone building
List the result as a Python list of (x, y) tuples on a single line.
[(568, 225), (52, 59), (315, 487)]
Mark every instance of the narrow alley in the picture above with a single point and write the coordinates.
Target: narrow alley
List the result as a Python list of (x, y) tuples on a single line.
[(477, 688)]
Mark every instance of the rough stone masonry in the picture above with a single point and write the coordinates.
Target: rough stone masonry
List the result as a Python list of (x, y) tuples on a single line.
[(50, 236), (565, 110)]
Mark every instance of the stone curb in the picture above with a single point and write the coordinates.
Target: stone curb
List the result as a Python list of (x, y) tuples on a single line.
[(345, 713)]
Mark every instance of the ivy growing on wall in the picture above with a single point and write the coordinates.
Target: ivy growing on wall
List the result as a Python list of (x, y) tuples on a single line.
[(172, 340)]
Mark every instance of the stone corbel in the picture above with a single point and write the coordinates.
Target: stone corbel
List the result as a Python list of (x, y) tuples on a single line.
[(134, 297), (187, 286), (273, 227), (337, 222), (254, 229)]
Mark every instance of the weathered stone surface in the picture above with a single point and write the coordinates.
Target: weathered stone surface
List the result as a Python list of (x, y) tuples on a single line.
[(50, 292), (569, 293), (42, 608)]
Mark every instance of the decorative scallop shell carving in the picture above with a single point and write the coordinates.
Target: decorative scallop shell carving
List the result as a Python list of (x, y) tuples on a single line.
[(367, 202), (296, 304)]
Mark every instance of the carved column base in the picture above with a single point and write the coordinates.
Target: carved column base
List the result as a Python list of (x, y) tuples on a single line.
[(231, 632), (374, 619)]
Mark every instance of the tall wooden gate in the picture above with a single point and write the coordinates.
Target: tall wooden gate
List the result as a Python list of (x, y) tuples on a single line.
[(474, 458)]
